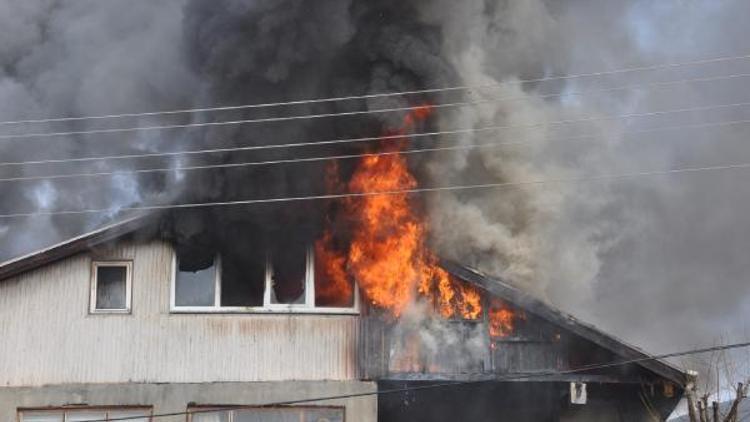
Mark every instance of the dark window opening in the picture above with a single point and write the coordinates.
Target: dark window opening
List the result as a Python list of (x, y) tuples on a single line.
[(111, 287), (289, 268), (242, 278), (195, 283)]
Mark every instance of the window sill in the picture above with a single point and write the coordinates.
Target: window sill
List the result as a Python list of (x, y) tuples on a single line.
[(110, 312), (262, 311)]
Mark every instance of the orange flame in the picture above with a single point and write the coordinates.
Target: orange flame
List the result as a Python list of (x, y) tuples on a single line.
[(502, 319), (334, 287), (387, 252)]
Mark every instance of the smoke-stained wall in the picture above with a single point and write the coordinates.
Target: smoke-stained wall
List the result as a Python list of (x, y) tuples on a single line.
[(671, 244)]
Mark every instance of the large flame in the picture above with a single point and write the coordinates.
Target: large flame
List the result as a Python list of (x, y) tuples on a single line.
[(387, 252)]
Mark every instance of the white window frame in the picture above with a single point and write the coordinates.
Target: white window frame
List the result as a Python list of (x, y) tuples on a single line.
[(230, 411), (267, 308), (95, 264), (63, 412)]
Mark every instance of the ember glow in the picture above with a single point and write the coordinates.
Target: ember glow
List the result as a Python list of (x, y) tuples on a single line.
[(387, 252)]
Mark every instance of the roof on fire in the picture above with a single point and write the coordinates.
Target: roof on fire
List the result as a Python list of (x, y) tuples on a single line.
[(491, 284), (548, 312)]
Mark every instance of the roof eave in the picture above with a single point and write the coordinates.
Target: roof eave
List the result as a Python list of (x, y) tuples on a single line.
[(71, 246)]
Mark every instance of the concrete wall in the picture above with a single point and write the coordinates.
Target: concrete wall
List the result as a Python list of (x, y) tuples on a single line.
[(47, 335), (168, 398)]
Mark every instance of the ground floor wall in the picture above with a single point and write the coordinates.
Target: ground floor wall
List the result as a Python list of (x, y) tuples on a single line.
[(169, 397), (521, 401)]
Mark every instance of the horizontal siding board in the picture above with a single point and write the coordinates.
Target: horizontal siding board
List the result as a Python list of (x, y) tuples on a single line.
[(48, 337)]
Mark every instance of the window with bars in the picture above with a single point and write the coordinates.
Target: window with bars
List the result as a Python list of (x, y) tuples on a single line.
[(140, 414), (273, 414)]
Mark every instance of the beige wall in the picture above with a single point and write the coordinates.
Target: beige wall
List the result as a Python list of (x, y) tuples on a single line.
[(48, 337), (173, 398)]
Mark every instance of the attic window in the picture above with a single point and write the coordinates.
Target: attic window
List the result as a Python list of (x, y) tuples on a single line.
[(111, 286)]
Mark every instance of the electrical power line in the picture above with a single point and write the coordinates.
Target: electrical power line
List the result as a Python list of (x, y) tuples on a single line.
[(682, 170), (335, 114), (414, 151), (352, 140), (383, 95), (328, 142), (446, 384), (218, 150)]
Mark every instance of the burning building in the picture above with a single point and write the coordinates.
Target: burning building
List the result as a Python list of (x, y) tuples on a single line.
[(121, 321), (194, 310)]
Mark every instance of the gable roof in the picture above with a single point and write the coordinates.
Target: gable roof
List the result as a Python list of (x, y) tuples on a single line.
[(71, 246), (490, 284), (547, 312)]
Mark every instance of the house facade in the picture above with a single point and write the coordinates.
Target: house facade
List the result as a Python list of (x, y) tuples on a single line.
[(119, 324)]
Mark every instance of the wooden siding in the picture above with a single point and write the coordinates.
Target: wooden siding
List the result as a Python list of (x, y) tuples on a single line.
[(47, 335)]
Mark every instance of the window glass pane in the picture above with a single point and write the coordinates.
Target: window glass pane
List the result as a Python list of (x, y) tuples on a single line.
[(267, 415), (129, 414), (210, 417), (83, 415), (290, 414), (289, 266), (323, 415), (111, 287), (195, 281), (41, 417)]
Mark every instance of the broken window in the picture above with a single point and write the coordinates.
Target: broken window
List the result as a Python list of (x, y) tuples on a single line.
[(242, 278), (288, 274), (196, 278), (111, 287), (98, 413), (245, 279), (273, 414)]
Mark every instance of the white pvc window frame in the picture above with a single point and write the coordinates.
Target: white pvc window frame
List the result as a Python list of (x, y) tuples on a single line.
[(95, 265), (308, 307), (64, 414), (231, 413)]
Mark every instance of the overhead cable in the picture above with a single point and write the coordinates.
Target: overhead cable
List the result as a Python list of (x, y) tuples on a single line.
[(414, 151), (384, 94), (343, 113), (493, 185), (298, 144)]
